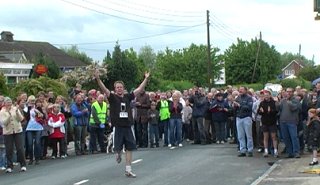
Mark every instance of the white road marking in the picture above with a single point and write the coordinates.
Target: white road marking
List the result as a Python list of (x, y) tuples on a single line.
[(266, 174), (81, 182), (171, 148), (137, 161)]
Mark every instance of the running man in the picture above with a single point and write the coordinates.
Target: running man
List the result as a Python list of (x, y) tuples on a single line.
[(121, 119)]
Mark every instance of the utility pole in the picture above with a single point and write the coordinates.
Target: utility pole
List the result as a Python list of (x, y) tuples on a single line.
[(257, 56), (209, 51)]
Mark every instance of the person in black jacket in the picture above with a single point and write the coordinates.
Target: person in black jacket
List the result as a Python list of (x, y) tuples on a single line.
[(313, 134), (220, 110), (268, 111)]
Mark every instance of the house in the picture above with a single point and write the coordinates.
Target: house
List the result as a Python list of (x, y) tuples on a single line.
[(292, 69), (14, 66), (17, 53)]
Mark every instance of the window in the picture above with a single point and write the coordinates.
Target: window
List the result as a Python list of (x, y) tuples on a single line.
[(286, 72), (292, 72), (12, 79)]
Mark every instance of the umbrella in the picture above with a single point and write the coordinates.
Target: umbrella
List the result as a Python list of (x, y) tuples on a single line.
[(314, 82)]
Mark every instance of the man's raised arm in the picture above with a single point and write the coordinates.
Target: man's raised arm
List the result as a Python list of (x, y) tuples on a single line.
[(142, 85), (100, 83)]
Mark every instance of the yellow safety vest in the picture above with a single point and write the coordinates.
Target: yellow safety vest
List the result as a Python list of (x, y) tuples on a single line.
[(101, 112)]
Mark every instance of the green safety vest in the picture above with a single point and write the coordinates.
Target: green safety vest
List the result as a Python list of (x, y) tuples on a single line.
[(164, 110), (101, 112)]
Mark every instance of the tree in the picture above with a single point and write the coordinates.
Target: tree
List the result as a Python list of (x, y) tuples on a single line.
[(74, 52), (33, 86), (188, 64), (240, 60), (84, 76), (3, 85), (53, 70), (147, 55), (287, 57), (310, 73), (120, 67)]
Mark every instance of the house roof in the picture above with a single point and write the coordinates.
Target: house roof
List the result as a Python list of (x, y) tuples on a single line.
[(12, 56), (3, 59), (33, 49), (294, 61)]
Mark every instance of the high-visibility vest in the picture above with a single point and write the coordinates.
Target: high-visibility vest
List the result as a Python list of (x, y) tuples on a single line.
[(101, 112), (164, 110)]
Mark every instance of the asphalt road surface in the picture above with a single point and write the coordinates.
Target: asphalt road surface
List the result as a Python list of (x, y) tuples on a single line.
[(190, 165)]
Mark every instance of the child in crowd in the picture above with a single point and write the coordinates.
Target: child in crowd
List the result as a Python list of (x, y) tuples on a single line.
[(186, 121), (313, 134), (57, 131), (153, 116)]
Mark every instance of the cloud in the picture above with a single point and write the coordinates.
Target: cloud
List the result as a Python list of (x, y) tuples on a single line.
[(285, 24)]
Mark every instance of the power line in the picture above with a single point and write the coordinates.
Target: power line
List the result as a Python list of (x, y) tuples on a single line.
[(145, 17), (221, 31), (119, 17), (137, 38), (162, 9)]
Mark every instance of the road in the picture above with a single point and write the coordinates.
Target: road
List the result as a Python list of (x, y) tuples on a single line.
[(189, 165)]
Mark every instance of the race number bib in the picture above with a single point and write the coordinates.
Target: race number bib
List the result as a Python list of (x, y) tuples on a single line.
[(123, 113)]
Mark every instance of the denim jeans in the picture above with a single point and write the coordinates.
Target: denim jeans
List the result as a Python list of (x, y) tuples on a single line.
[(2, 157), (154, 134), (34, 144), (80, 133), (198, 130), (97, 133), (164, 130), (290, 137), (220, 127), (244, 131), (175, 127)]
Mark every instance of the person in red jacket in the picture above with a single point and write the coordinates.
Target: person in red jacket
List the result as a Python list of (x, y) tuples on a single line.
[(56, 122)]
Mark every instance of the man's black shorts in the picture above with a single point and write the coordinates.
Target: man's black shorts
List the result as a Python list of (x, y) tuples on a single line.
[(124, 136), (269, 128)]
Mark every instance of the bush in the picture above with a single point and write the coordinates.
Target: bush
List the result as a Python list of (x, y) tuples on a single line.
[(254, 86), (166, 85), (296, 82), (33, 86), (3, 85)]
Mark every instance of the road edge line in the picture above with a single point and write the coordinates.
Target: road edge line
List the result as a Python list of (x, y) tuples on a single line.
[(266, 174)]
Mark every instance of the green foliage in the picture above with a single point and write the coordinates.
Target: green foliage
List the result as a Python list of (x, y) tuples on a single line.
[(310, 73), (33, 86), (120, 67), (296, 82), (147, 55), (53, 70), (84, 76), (254, 86), (287, 57), (3, 85), (166, 85), (74, 52), (188, 64), (293, 83), (131, 55), (240, 60)]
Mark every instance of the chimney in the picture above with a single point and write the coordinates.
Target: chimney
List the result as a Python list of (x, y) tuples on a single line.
[(6, 36)]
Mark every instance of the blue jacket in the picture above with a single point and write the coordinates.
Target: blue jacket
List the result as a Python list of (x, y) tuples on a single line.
[(245, 109), (200, 105), (80, 118)]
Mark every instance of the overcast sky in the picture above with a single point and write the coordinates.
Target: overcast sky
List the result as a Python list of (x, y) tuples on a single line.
[(96, 25)]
